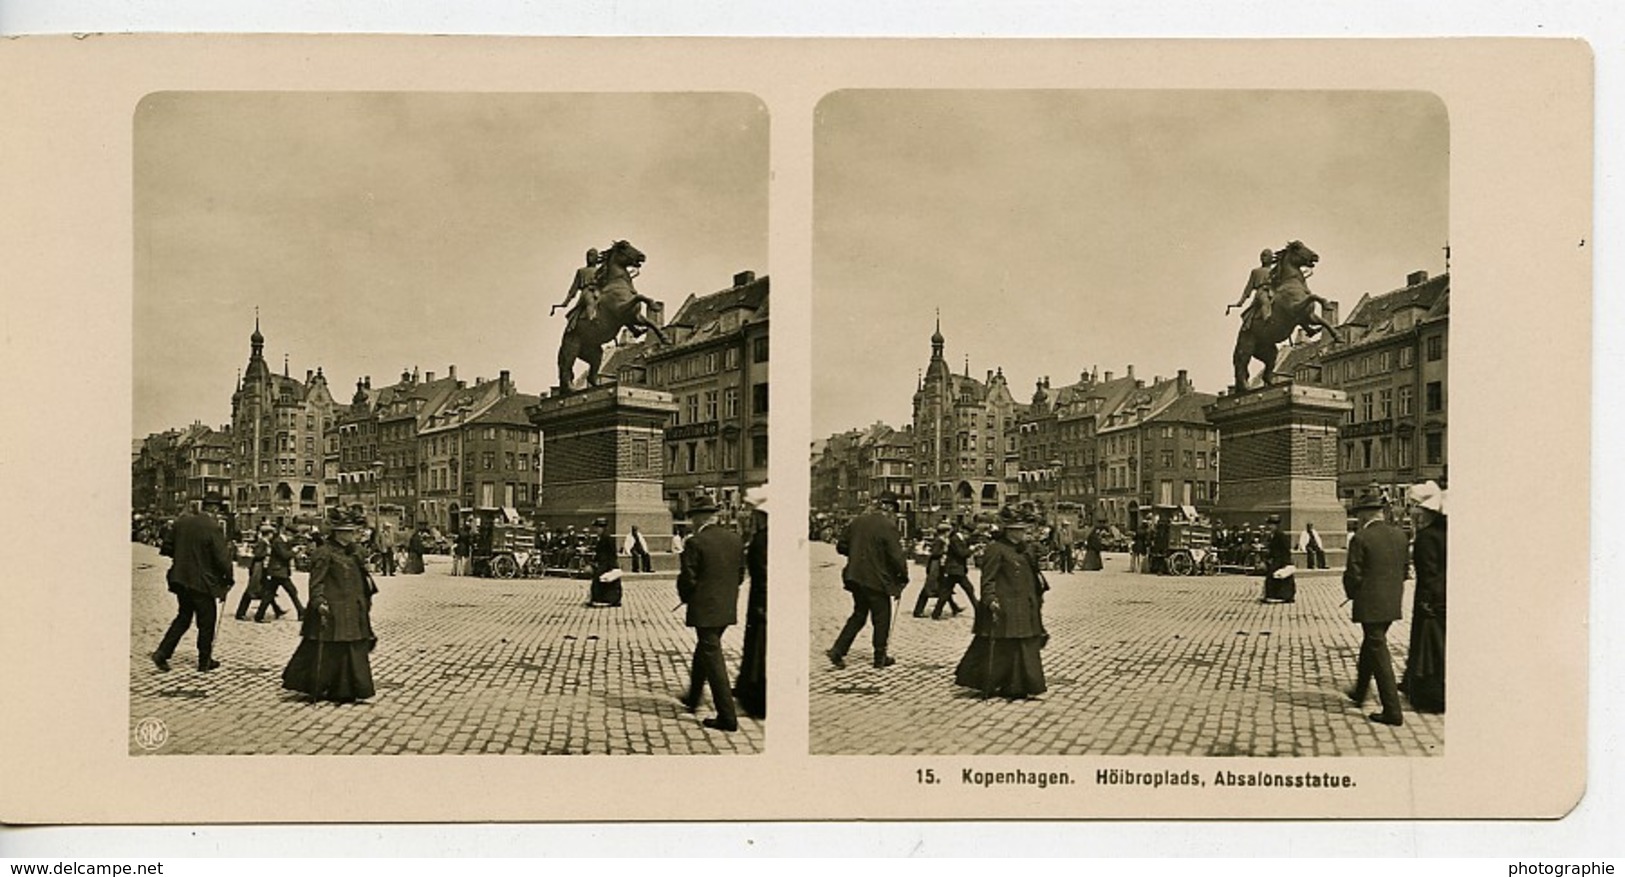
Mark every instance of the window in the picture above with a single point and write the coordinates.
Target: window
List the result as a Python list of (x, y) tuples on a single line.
[(730, 403), (758, 451), (1365, 406), (758, 350), (1365, 454), (491, 433), (1435, 398), (1407, 401), (691, 456), (1435, 350), (1407, 357), (488, 460), (1385, 404), (758, 399), (711, 404), (1201, 458), (711, 363), (1385, 452), (524, 462), (708, 455), (693, 408), (1348, 456), (1165, 493), (1189, 462), (310, 468), (1201, 491), (1167, 459), (730, 454), (1405, 451), (507, 462), (1435, 448), (1167, 432), (730, 358)]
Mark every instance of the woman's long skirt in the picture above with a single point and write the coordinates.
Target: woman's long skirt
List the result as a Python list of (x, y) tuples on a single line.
[(1010, 668), (1280, 590), (1424, 665), (330, 671), (750, 689), (1091, 560)]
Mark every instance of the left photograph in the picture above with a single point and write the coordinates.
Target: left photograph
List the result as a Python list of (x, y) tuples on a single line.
[(450, 424)]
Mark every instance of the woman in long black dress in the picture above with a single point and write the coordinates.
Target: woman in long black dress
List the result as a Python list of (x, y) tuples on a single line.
[(750, 688), (1003, 658), (1424, 663), (336, 639), (1092, 544)]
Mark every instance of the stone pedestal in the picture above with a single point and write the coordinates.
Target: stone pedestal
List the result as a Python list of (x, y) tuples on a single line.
[(1278, 455), (602, 456)]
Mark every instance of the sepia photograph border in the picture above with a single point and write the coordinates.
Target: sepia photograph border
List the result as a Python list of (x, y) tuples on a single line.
[(1521, 196)]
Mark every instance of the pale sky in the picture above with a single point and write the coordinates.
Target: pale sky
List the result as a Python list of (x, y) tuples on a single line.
[(377, 232), (1064, 230)]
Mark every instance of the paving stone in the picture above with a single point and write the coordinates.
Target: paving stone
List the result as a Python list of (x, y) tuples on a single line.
[(463, 665), (1136, 665)]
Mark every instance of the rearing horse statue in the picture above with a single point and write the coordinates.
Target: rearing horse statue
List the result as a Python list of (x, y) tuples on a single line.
[(1293, 307), (619, 306)]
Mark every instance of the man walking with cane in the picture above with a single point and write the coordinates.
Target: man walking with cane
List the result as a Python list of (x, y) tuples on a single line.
[(199, 578), (875, 574)]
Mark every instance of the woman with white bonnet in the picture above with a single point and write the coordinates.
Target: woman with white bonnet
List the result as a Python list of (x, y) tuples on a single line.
[(1423, 681)]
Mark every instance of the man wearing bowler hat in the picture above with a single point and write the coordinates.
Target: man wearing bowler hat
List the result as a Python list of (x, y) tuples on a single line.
[(713, 565), (199, 577), (876, 572), (1375, 581)]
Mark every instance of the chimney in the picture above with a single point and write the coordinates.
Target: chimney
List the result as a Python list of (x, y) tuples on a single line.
[(989, 377), (1083, 378), (1329, 313), (744, 277), (1156, 380), (451, 371), (1108, 375), (368, 382), (1184, 381), (309, 374), (1131, 370), (1416, 277), (406, 376), (1046, 382), (428, 377), (414, 374), (506, 381)]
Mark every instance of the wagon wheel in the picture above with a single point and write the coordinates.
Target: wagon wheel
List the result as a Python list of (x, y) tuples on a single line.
[(534, 566), (503, 566), (1180, 564), (1210, 564)]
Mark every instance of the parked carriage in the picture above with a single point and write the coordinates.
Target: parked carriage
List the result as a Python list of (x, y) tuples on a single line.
[(1182, 543), (502, 545)]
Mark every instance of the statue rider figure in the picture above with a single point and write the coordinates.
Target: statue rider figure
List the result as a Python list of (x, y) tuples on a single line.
[(586, 284), (1258, 286)]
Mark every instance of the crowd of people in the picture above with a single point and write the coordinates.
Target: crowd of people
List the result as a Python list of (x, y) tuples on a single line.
[(336, 638), (1011, 550)]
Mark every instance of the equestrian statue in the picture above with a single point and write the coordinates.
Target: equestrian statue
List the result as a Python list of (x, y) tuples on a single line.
[(608, 304), (1279, 306)]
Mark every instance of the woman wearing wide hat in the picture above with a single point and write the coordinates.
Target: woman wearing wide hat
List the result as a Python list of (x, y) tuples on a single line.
[(1003, 658), (750, 686), (336, 639), (1280, 575), (1423, 680)]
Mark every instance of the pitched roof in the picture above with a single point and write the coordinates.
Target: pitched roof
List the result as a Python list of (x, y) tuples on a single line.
[(1187, 408), (509, 409)]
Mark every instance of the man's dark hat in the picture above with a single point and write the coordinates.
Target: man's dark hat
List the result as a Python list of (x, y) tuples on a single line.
[(1010, 516), (702, 505), (346, 519), (600, 522), (887, 498), (213, 497), (1273, 519), (1367, 501)]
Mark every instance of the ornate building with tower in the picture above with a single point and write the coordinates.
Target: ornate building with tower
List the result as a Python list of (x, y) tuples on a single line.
[(278, 428)]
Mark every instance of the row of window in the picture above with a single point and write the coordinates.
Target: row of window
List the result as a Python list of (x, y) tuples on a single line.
[(709, 455), (713, 405), (1392, 452), (1380, 404)]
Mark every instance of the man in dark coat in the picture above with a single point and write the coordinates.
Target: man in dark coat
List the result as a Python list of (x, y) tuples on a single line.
[(1280, 583), (713, 565), (279, 571), (955, 569), (875, 574), (1375, 580), (199, 578)]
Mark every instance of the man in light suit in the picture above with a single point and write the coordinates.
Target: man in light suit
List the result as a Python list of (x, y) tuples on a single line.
[(1375, 580), (713, 565)]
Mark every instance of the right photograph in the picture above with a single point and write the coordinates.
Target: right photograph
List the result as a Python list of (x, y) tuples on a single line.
[(1132, 423)]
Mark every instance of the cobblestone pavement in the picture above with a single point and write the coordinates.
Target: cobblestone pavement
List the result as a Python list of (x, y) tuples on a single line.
[(463, 665), (1136, 665)]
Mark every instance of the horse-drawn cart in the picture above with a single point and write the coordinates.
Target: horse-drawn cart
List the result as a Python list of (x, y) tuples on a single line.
[(1183, 544), (502, 546)]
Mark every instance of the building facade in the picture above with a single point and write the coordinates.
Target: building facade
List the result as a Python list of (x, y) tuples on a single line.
[(965, 432), (502, 455), (1393, 364), (717, 370), (278, 425)]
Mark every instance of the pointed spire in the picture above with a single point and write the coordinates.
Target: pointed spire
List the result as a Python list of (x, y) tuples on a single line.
[(284, 365), (967, 365)]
